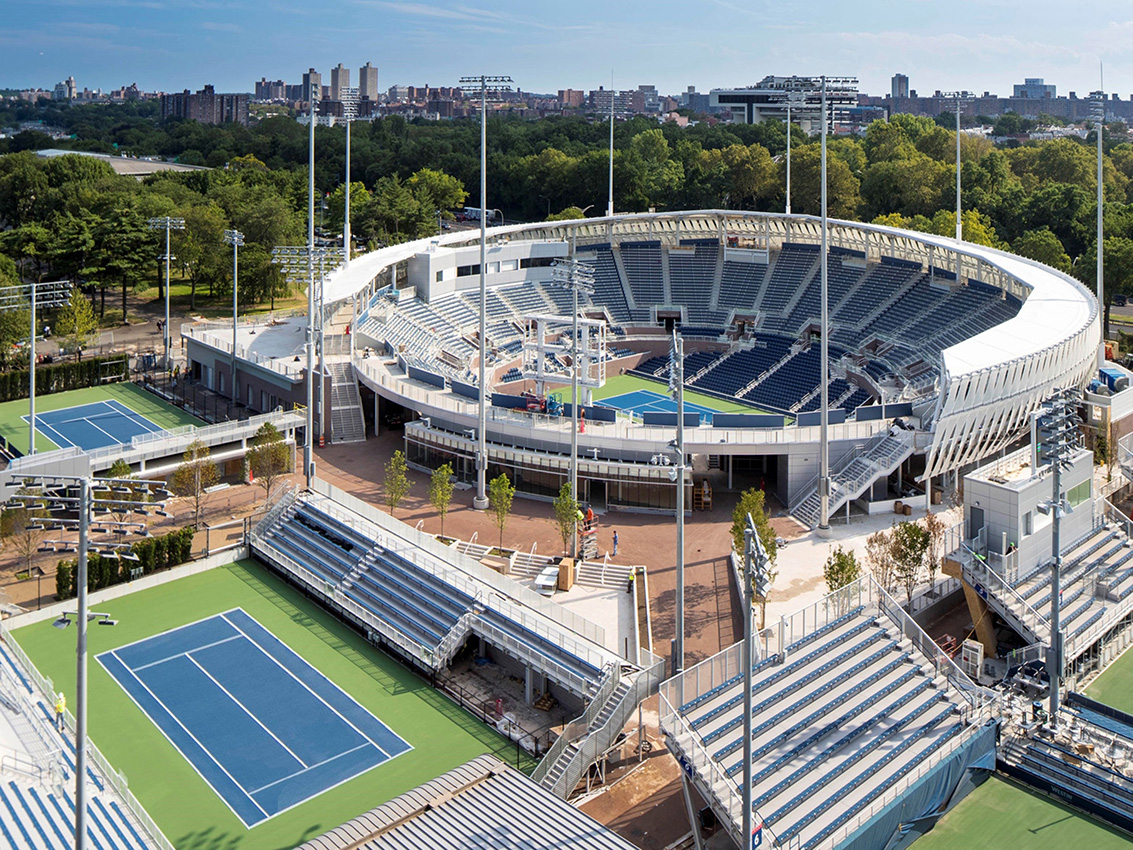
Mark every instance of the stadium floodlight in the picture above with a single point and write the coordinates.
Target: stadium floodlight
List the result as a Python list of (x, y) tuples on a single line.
[(841, 88), (613, 97), (1058, 425), (677, 389), (793, 98), (349, 99), (236, 239), (577, 277), (756, 579), (81, 494), (496, 85), (962, 99), (1097, 115), (167, 223), (311, 265), (53, 293)]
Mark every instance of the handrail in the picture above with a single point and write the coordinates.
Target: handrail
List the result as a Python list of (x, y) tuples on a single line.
[(1038, 623)]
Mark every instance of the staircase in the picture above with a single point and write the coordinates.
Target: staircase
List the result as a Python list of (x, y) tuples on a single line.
[(346, 422), (855, 473)]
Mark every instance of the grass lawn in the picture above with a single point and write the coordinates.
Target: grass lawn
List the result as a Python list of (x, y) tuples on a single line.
[(620, 384), (15, 428), (186, 808), (1114, 686), (1000, 814)]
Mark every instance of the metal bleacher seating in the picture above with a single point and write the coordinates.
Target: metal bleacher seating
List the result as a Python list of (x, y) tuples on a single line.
[(608, 289), (642, 263), (412, 602), (793, 268), (692, 278)]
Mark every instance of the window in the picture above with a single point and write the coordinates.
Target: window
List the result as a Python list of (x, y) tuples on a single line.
[(465, 271), (1079, 494), (509, 265), (536, 262), (440, 276), (1028, 524)]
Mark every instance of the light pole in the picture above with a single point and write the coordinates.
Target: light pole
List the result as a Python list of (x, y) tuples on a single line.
[(309, 264), (842, 88), (497, 84), (793, 97), (349, 98), (757, 582), (677, 389), (167, 223), (1058, 438), (961, 98), (236, 239), (610, 202), (577, 277), (79, 494), (48, 294), (1097, 113)]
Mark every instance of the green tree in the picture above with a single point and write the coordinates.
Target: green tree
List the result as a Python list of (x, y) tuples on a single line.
[(396, 484), (268, 458), (565, 508), (440, 492), (935, 529), (200, 248), (909, 546), (76, 323), (500, 496), (194, 476), (436, 190), (879, 556), (752, 502), (841, 569), (20, 526), (1042, 245)]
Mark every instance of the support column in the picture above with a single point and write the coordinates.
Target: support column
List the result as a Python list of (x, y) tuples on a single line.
[(692, 819), (527, 684)]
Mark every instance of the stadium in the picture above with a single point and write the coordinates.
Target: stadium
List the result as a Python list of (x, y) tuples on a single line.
[(865, 731)]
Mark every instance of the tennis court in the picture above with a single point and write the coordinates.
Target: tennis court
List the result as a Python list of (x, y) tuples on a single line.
[(261, 726), (93, 426), (638, 402)]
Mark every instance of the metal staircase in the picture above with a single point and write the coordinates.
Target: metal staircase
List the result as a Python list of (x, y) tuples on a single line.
[(346, 422), (857, 470)]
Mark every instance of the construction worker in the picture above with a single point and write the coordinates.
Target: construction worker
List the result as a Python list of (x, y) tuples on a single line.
[(60, 707)]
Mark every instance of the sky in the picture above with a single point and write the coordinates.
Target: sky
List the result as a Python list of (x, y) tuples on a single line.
[(545, 46)]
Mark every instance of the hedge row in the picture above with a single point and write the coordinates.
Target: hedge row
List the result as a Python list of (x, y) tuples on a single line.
[(59, 377), (154, 553)]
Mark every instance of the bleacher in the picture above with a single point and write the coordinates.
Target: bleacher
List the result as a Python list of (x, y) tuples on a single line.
[(608, 290), (692, 278), (739, 285), (842, 716), (33, 816), (793, 268), (642, 263), (739, 368), (337, 555)]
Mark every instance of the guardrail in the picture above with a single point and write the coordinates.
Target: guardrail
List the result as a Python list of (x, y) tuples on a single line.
[(1016, 605)]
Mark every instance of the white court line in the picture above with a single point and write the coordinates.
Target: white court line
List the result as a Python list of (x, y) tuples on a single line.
[(134, 416), (180, 654), (311, 767), (252, 640), (244, 708), (175, 629), (194, 739)]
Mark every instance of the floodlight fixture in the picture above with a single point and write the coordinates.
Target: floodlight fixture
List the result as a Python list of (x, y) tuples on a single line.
[(1097, 114), (62, 622), (496, 84), (166, 223)]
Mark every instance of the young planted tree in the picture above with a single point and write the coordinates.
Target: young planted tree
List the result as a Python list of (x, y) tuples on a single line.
[(879, 556), (841, 569), (440, 492), (500, 495), (196, 474), (268, 458), (910, 543), (935, 528), (566, 514), (751, 502), (76, 323), (18, 526), (396, 484)]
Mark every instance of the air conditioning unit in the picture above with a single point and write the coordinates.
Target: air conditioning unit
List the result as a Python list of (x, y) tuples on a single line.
[(972, 658)]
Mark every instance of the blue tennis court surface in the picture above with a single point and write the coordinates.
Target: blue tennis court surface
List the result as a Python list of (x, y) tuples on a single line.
[(92, 426), (642, 401), (260, 725)]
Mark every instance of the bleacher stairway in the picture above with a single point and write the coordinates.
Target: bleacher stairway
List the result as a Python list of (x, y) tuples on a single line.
[(855, 473), (346, 422)]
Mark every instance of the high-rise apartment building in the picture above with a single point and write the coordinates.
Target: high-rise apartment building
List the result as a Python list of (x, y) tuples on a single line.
[(206, 106), (1034, 88), (313, 81), (368, 82), (900, 87), (339, 80), (270, 89), (572, 98), (65, 90)]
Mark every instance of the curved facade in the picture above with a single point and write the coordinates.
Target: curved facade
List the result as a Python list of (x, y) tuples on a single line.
[(971, 392)]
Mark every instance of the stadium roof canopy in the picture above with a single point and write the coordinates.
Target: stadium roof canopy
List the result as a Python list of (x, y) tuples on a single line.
[(125, 165), (483, 804)]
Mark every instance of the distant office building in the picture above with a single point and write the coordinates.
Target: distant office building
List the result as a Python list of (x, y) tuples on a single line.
[(398, 94), (368, 82), (900, 86), (652, 100), (1034, 88), (270, 89), (312, 82), (572, 98), (206, 106), (339, 80), (65, 90), (624, 102), (697, 102), (768, 100)]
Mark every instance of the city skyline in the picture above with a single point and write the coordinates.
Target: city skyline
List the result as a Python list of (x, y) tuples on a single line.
[(977, 46)]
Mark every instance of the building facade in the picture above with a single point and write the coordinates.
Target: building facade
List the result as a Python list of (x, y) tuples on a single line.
[(206, 106), (339, 80), (368, 82), (312, 82), (900, 86)]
